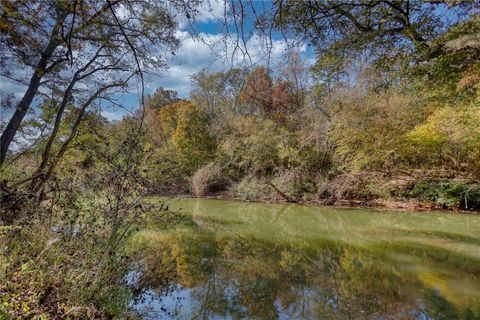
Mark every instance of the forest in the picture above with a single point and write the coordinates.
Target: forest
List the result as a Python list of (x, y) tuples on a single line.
[(385, 113)]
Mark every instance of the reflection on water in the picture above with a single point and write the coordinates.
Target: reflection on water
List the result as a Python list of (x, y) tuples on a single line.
[(234, 260)]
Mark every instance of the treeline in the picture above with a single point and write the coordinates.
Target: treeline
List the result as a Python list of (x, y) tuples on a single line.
[(335, 130)]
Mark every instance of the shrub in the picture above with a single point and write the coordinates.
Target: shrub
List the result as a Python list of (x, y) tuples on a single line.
[(250, 189), (449, 136), (208, 178), (251, 145), (295, 183), (49, 274), (164, 175), (448, 193), (346, 186), (368, 130), (353, 186)]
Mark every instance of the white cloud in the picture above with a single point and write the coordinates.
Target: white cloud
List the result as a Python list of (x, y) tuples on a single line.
[(12, 87), (212, 10), (207, 11), (214, 52), (113, 115), (206, 51)]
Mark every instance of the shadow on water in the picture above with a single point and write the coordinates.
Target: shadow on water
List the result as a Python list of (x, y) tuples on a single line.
[(232, 260)]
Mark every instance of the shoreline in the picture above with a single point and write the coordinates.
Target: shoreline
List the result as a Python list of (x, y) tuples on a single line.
[(379, 204)]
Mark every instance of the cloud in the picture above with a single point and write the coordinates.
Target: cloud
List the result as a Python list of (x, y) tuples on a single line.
[(194, 54), (212, 10), (12, 87), (113, 115), (214, 52), (208, 11)]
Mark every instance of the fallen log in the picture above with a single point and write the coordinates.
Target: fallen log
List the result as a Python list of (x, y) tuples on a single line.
[(283, 195)]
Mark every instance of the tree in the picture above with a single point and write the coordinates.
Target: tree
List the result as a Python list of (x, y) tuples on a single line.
[(295, 71), (208, 90), (154, 103), (329, 71), (57, 39), (385, 28), (82, 53), (194, 145), (283, 99), (168, 117), (161, 97), (256, 95), (217, 90)]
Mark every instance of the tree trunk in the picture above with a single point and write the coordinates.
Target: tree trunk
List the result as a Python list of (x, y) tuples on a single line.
[(24, 104)]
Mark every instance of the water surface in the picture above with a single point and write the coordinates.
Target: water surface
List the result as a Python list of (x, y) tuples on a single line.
[(214, 259)]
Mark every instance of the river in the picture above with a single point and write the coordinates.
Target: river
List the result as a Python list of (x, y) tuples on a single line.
[(215, 259)]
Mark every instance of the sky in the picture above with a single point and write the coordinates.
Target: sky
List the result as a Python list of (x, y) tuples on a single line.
[(205, 50)]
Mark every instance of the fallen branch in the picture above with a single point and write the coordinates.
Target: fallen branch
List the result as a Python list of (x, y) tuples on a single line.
[(283, 195)]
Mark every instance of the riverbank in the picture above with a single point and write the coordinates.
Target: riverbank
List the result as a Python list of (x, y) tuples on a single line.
[(415, 190), (386, 204)]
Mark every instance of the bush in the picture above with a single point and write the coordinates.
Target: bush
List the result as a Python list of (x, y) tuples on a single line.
[(449, 137), (164, 175), (47, 274), (251, 145), (250, 189), (295, 183), (344, 186), (208, 178), (452, 194)]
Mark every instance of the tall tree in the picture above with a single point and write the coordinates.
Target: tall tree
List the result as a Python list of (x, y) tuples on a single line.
[(212, 91), (161, 97), (55, 39), (295, 71), (256, 95), (97, 49), (208, 90)]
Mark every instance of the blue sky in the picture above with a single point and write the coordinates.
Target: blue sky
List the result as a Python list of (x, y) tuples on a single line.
[(201, 52), (204, 51)]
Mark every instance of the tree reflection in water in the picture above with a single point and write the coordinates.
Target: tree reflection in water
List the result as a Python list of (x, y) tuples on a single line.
[(231, 260)]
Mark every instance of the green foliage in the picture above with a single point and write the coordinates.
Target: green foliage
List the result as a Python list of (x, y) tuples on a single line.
[(296, 184), (161, 97), (185, 145), (193, 144), (251, 144), (368, 130), (448, 193), (164, 174), (449, 136), (250, 188), (50, 274), (405, 124)]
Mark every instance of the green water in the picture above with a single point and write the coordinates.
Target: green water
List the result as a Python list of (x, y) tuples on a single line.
[(215, 259)]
